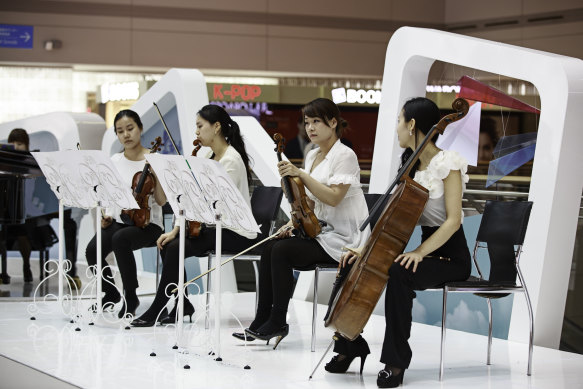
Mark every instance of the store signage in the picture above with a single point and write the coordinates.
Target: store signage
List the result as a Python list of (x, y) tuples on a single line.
[(120, 91), (16, 36), (254, 109), (356, 96), (443, 88), (236, 91)]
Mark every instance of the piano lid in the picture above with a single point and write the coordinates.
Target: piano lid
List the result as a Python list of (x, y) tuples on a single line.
[(18, 163)]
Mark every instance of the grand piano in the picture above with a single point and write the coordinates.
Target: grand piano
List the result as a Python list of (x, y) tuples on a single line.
[(15, 167)]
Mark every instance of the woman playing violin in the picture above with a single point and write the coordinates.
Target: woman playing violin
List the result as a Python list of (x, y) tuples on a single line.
[(121, 238), (332, 181), (214, 129), (443, 255)]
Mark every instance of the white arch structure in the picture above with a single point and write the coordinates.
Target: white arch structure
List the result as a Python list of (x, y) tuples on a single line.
[(556, 180)]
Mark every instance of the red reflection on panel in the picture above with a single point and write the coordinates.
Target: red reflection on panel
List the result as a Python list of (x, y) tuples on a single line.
[(475, 90)]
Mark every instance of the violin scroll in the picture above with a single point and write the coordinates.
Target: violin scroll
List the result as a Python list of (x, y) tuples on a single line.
[(279, 144), (197, 145), (461, 108)]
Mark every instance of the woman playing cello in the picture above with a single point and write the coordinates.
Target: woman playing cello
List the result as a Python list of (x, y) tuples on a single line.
[(443, 255), (332, 180)]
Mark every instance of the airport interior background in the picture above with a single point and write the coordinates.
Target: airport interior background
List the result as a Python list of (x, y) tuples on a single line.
[(266, 58)]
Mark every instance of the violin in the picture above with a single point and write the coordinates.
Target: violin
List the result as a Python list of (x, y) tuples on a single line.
[(303, 218), (358, 293), (143, 185), (193, 226)]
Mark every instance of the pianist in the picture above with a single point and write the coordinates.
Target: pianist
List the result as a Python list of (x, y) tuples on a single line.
[(19, 139), (29, 235)]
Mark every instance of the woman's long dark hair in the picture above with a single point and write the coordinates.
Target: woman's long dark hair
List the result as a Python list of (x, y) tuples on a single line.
[(426, 115), (229, 129)]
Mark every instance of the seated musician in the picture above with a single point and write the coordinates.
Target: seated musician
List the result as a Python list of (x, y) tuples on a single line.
[(214, 129), (25, 234), (122, 238), (332, 180), (20, 140), (443, 255)]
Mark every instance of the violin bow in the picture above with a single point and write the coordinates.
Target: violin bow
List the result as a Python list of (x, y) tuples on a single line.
[(235, 256)]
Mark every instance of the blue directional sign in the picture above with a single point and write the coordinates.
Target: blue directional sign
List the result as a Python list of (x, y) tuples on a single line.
[(16, 36)]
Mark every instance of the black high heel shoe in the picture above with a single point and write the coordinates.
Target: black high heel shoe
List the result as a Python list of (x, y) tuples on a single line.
[(347, 350), (130, 308), (241, 336), (107, 302), (171, 317), (387, 379), (341, 365), (144, 321), (280, 333)]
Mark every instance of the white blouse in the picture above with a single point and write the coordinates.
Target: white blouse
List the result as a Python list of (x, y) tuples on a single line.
[(127, 168), (340, 166), (233, 164), (432, 179)]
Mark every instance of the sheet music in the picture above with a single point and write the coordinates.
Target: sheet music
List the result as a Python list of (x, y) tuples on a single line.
[(197, 196), (83, 178)]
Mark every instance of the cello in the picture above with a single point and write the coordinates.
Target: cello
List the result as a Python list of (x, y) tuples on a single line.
[(303, 218), (143, 184), (352, 306)]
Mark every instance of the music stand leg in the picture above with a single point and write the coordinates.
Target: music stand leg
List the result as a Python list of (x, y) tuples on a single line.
[(98, 249), (180, 291), (217, 284), (61, 239)]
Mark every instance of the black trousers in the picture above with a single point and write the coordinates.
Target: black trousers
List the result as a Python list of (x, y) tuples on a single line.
[(276, 281), (193, 247), (122, 239), (431, 273)]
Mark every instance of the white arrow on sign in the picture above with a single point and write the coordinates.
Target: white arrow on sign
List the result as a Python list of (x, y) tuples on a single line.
[(26, 36)]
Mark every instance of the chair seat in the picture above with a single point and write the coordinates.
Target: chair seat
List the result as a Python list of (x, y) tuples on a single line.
[(317, 265), (483, 285)]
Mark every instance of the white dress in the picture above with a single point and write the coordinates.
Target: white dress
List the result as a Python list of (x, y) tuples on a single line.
[(340, 166)]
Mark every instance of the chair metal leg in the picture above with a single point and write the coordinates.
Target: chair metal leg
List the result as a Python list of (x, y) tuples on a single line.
[(531, 336), (531, 320), (157, 267), (315, 309), (256, 269), (488, 360), (208, 296), (41, 262), (443, 328)]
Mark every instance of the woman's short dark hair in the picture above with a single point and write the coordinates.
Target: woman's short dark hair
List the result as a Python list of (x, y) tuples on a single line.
[(19, 135), (326, 110), (229, 129), (130, 114), (426, 115)]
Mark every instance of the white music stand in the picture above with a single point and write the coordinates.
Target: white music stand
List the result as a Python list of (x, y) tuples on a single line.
[(199, 189), (84, 179)]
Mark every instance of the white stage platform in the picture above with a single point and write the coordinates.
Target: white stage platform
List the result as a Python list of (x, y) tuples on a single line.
[(108, 356)]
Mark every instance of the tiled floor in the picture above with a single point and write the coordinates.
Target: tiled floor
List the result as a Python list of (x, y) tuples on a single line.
[(106, 355)]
